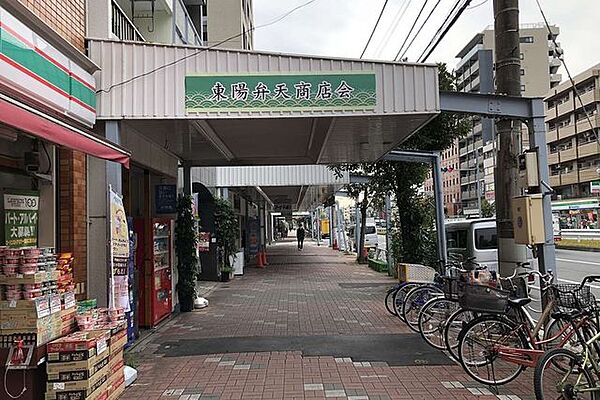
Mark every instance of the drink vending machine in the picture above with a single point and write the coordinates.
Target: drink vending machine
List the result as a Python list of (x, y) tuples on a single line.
[(154, 263)]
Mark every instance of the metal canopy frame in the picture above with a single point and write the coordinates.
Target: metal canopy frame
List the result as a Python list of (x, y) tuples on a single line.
[(528, 110)]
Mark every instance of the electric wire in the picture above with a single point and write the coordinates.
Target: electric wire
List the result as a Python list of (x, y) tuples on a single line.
[(573, 85), (478, 5), (392, 27), (411, 29), (195, 53), (420, 29), (424, 56), (374, 29)]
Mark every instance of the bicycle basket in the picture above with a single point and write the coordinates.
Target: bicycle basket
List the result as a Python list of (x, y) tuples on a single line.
[(415, 273), (483, 299), (450, 286), (571, 296)]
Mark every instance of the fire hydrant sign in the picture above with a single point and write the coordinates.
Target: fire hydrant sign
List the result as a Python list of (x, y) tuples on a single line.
[(289, 92), (21, 218)]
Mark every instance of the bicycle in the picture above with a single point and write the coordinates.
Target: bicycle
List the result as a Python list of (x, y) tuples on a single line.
[(576, 371), (494, 349)]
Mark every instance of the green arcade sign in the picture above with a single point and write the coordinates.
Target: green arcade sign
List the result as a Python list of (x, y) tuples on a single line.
[(290, 92)]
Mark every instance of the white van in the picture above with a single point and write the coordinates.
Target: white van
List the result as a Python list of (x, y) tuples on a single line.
[(371, 239), (476, 238)]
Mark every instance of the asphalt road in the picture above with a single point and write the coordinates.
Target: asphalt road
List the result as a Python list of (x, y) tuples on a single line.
[(573, 265)]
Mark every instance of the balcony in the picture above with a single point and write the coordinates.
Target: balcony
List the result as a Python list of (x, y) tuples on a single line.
[(550, 113), (589, 97), (185, 31), (555, 180), (469, 194), (555, 78), (588, 174), (566, 131), (589, 149), (551, 136), (583, 124), (553, 158), (122, 27), (568, 155), (463, 150), (566, 107), (569, 178)]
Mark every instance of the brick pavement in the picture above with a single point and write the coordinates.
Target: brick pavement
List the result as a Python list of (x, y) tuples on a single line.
[(310, 294)]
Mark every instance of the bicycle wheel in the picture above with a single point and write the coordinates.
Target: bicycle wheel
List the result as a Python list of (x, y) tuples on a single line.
[(389, 299), (432, 320), (399, 297), (561, 374), (415, 300), (479, 345), (454, 326)]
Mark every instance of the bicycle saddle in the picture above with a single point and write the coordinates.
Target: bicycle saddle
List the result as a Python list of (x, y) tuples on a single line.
[(519, 302)]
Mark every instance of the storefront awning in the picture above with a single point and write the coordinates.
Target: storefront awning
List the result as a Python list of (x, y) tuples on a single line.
[(36, 123)]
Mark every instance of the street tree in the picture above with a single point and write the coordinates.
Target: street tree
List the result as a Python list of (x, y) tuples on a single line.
[(414, 239)]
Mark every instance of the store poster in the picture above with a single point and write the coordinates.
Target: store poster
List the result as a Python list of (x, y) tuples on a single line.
[(165, 199), (119, 251), (203, 242), (21, 218)]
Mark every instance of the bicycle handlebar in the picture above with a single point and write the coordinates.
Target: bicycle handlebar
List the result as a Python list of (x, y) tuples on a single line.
[(590, 279)]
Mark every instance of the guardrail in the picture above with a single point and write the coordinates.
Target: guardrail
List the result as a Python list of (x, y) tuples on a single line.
[(580, 234)]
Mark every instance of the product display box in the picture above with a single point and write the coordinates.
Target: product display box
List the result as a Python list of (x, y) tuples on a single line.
[(101, 393), (77, 370), (83, 387), (38, 277), (80, 341)]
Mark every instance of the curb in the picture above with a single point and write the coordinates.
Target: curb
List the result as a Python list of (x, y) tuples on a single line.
[(592, 249)]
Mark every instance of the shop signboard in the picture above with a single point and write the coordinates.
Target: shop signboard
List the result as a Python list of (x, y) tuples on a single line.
[(21, 218), (119, 252), (253, 236), (34, 67), (281, 92), (595, 187), (165, 199)]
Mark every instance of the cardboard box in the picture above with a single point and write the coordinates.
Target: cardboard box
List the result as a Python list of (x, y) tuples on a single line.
[(116, 385), (116, 360), (39, 277), (99, 394), (118, 341), (69, 356), (85, 387), (27, 319), (77, 370), (79, 341)]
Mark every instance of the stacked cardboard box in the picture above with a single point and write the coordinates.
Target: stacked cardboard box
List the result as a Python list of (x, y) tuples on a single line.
[(116, 364), (78, 366)]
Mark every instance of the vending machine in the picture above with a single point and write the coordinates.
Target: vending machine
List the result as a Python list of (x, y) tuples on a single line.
[(154, 262)]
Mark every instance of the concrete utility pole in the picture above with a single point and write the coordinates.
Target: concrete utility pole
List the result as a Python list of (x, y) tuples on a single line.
[(508, 82)]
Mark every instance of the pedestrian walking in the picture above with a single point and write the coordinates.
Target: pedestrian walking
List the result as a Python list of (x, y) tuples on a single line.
[(300, 236)]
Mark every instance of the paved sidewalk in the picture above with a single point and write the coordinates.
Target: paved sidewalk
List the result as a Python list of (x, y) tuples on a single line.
[(311, 325)]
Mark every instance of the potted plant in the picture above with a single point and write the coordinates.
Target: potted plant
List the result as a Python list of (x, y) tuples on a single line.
[(226, 227), (186, 241)]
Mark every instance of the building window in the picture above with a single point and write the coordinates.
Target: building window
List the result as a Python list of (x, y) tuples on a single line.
[(522, 72), (526, 39), (522, 88), (522, 56)]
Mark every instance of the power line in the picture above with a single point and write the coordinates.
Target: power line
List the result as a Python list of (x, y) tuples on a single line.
[(374, 29), (439, 31), (421, 28), (411, 29), (573, 85), (478, 5), (195, 53), (388, 33), (456, 17)]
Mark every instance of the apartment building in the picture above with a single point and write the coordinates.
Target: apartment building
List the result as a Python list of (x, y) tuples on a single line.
[(474, 71), (190, 22), (450, 181), (573, 148)]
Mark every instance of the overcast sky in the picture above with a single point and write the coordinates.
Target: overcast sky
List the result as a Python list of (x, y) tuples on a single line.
[(342, 27)]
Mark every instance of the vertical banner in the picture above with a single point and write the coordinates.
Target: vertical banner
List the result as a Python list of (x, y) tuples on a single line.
[(21, 218), (119, 252), (253, 233)]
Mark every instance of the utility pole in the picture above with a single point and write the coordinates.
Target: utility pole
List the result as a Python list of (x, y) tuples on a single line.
[(508, 82)]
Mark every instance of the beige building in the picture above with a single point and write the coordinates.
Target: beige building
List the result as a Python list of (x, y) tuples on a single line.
[(224, 19), (539, 67), (573, 149)]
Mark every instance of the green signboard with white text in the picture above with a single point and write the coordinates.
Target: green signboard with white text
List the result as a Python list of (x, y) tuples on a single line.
[(289, 92)]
